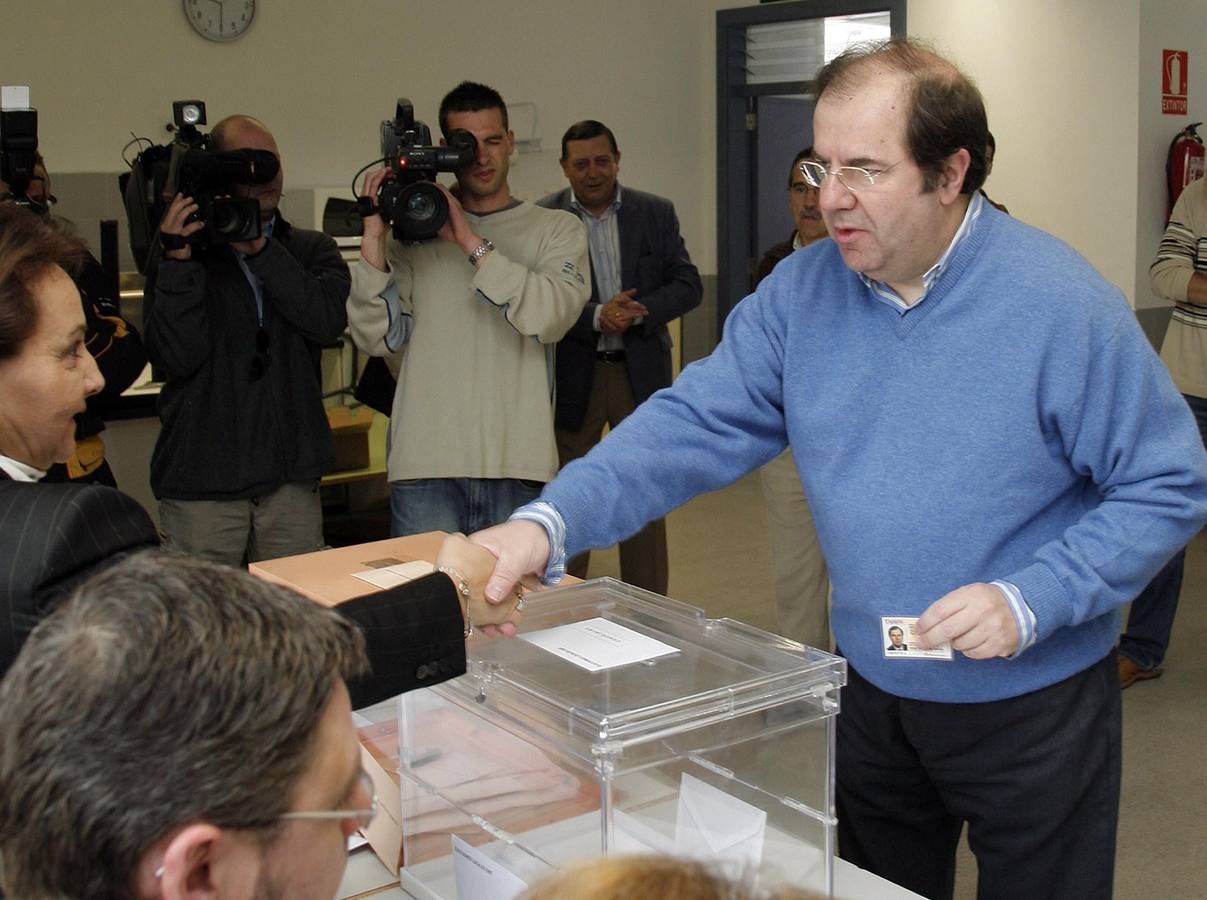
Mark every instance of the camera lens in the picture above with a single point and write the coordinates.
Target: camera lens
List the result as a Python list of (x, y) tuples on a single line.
[(417, 210), (420, 207), (228, 220)]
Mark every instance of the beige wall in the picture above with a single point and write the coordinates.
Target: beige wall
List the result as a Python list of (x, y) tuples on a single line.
[(323, 75), (1063, 83), (1060, 85)]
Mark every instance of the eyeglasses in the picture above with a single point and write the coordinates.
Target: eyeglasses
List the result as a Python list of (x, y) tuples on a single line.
[(362, 816), (853, 178), (260, 361)]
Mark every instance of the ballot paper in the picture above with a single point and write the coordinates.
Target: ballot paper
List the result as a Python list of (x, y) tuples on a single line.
[(392, 576), (480, 877), (598, 644)]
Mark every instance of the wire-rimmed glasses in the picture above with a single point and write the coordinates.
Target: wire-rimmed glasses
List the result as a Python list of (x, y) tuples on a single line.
[(853, 178), (362, 816)]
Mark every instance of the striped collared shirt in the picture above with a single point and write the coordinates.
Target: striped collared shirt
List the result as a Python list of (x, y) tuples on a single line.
[(603, 239), (931, 275)]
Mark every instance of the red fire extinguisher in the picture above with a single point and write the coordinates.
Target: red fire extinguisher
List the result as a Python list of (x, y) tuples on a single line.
[(1185, 162)]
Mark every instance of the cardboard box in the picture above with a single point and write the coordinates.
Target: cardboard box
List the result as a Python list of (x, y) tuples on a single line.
[(350, 432), (327, 576)]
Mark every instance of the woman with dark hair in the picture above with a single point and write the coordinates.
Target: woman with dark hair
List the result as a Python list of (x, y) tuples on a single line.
[(46, 371)]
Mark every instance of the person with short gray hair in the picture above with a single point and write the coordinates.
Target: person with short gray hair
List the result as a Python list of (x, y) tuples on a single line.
[(179, 723)]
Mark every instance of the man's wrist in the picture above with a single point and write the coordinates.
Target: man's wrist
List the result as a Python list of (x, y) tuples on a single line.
[(1024, 617), (546, 515), (478, 250)]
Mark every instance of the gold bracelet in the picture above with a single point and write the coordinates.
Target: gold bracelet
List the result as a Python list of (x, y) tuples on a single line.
[(463, 590)]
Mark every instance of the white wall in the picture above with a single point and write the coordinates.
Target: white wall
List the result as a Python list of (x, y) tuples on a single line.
[(1062, 82), (1164, 25)]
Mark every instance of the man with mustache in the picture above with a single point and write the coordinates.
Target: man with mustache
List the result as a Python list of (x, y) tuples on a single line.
[(619, 351), (469, 322)]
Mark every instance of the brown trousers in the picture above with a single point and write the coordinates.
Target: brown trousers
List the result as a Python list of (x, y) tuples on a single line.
[(643, 559)]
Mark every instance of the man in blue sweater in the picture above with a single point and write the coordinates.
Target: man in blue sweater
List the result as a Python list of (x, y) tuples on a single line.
[(996, 461)]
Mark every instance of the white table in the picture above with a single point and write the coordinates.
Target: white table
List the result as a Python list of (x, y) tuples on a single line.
[(367, 877)]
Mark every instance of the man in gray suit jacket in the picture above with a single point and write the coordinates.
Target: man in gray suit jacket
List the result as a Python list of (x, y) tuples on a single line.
[(619, 351)]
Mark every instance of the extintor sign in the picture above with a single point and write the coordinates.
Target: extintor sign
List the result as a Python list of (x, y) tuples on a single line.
[(1174, 82)]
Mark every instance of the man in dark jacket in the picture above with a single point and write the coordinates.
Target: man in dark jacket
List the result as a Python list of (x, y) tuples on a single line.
[(238, 330), (619, 351)]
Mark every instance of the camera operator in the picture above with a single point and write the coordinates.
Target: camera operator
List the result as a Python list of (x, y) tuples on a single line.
[(238, 330), (112, 341), (471, 328)]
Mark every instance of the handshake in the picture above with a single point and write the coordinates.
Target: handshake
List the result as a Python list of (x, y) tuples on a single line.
[(469, 566)]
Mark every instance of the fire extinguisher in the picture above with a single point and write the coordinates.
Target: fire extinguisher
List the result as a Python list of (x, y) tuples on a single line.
[(1184, 163)]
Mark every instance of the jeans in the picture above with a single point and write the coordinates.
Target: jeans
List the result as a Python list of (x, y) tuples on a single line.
[(1146, 637), (455, 504)]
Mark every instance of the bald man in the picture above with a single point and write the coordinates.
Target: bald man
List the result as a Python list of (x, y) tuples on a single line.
[(238, 328)]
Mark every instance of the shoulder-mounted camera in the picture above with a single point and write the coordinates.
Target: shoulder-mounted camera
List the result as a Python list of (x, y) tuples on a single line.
[(410, 201), (191, 166)]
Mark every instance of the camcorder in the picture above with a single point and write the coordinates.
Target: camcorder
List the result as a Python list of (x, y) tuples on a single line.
[(18, 144), (192, 167), (410, 202)]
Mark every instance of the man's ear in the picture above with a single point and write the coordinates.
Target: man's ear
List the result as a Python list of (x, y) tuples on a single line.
[(951, 178), (201, 862)]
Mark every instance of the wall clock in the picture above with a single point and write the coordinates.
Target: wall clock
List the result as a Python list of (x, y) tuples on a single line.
[(220, 20)]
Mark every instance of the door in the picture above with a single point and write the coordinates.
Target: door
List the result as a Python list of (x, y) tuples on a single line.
[(767, 58)]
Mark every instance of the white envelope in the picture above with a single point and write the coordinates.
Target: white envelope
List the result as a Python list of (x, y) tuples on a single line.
[(712, 825)]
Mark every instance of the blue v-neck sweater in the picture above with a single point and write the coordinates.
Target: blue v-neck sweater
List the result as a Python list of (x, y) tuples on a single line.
[(1014, 425)]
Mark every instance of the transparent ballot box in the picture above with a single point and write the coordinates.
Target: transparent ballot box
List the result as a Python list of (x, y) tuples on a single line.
[(617, 722)]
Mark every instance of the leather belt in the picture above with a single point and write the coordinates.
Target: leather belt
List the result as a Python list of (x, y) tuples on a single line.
[(610, 356)]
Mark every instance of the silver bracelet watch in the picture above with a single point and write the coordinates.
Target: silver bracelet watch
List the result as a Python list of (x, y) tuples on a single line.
[(481, 250)]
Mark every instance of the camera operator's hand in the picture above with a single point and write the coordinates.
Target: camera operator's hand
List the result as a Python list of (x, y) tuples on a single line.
[(457, 229), (176, 227), (373, 238)]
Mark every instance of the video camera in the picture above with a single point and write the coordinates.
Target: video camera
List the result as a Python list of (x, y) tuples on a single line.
[(18, 143), (410, 202), (190, 166)]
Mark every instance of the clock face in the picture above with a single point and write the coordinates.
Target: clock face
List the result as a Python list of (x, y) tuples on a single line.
[(220, 20)]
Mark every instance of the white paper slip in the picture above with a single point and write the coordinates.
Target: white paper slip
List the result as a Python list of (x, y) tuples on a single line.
[(392, 576), (480, 877), (598, 644), (715, 826)]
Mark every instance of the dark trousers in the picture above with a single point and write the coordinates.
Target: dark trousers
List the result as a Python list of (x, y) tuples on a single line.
[(1035, 777), (1150, 620)]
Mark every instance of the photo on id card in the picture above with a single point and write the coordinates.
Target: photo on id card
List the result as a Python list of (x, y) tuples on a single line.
[(897, 636)]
